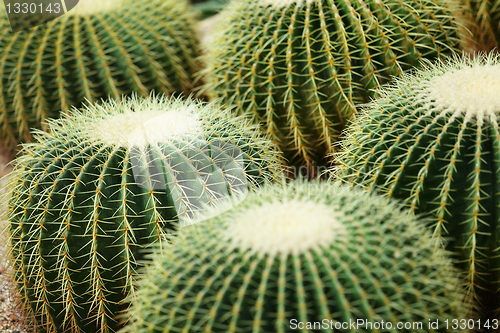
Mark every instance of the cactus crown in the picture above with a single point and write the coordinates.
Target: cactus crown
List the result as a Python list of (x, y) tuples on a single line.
[(140, 127), (278, 227), (469, 89), (137, 124), (432, 139), (225, 275)]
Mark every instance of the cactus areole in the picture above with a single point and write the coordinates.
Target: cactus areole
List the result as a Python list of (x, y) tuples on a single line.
[(433, 140), (89, 196), (291, 257), (299, 67)]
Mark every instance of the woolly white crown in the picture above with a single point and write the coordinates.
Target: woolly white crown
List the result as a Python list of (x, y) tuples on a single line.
[(286, 227)]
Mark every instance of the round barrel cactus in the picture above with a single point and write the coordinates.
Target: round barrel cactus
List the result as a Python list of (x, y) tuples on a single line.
[(432, 140), (309, 257), (89, 196), (98, 49), (299, 67)]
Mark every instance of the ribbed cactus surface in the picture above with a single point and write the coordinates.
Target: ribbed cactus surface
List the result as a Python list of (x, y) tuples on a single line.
[(98, 49), (486, 16), (89, 196), (291, 257), (433, 141), (299, 67)]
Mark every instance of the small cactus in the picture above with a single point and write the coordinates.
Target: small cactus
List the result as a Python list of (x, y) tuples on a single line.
[(305, 252), (433, 141), (99, 49), (104, 184), (298, 67)]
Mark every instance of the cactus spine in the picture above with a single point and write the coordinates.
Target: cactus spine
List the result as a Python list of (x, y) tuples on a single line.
[(299, 67), (104, 184), (98, 49), (309, 252), (486, 16), (433, 141)]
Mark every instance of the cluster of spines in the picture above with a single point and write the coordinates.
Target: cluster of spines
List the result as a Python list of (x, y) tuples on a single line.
[(300, 68), (51, 67), (80, 220)]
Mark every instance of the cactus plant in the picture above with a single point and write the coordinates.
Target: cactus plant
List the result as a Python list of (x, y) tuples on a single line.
[(298, 67), (432, 140), (99, 49), (299, 253), (485, 18), (87, 197)]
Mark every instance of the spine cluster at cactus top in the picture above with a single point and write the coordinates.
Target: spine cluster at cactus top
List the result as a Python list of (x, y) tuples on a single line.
[(98, 49), (299, 67), (433, 141), (305, 253), (104, 184)]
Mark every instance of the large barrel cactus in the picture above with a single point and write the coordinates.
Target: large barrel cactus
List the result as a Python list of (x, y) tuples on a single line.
[(298, 67), (104, 184), (302, 257), (433, 141), (98, 49)]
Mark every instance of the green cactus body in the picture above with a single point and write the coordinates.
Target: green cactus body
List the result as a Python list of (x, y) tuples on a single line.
[(299, 67), (309, 252), (486, 15), (104, 184), (97, 50), (433, 141)]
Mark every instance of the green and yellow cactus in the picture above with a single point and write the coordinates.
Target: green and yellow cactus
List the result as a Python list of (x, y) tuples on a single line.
[(304, 256), (432, 140), (299, 67), (99, 49), (89, 196)]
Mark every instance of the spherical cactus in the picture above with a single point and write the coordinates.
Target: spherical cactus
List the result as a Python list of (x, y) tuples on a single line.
[(433, 141), (305, 256), (104, 184), (486, 16), (98, 49), (298, 67)]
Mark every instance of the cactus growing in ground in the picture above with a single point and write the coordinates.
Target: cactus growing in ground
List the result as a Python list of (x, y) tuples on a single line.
[(309, 252), (433, 141), (298, 67), (98, 49), (104, 184)]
